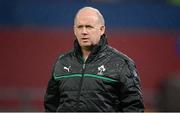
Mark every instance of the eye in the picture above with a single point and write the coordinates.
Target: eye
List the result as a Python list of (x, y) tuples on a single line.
[(80, 27), (89, 27)]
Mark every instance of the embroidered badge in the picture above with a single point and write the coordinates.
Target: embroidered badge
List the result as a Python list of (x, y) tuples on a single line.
[(101, 69)]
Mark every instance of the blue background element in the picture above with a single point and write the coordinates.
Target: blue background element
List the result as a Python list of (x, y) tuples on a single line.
[(60, 13)]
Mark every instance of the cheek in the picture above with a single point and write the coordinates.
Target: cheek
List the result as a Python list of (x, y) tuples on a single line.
[(96, 38), (75, 32)]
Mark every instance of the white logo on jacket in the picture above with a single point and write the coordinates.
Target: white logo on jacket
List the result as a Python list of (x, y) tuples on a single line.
[(101, 69), (67, 68)]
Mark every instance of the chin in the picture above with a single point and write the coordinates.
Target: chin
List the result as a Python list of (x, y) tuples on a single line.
[(86, 45)]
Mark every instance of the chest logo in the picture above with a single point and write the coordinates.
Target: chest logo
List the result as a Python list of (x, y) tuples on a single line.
[(101, 69), (67, 68)]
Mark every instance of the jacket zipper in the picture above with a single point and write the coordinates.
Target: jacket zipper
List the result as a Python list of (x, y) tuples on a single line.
[(80, 85)]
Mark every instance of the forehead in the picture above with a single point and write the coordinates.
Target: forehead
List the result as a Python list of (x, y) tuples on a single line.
[(87, 17)]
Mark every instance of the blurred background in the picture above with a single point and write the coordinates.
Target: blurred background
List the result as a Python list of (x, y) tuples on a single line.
[(34, 32)]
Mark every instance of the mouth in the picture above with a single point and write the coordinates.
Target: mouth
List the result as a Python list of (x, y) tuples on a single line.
[(84, 39)]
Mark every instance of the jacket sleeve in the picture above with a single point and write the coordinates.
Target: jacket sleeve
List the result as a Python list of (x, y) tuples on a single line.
[(51, 98), (130, 98)]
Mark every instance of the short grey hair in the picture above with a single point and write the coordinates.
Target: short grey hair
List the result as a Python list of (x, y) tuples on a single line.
[(100, 16)]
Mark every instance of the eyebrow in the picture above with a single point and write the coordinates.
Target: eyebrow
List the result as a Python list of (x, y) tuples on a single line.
[(85, 26)]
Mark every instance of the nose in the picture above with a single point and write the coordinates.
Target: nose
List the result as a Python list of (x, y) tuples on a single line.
[(84, 30)]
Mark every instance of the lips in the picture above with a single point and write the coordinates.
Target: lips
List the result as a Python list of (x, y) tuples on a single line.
[(84, 39)]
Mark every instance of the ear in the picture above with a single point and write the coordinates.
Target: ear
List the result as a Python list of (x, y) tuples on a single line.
[(102, 29), (74, 31)]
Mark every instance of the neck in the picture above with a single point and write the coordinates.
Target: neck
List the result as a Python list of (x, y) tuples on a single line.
[(86, 52)]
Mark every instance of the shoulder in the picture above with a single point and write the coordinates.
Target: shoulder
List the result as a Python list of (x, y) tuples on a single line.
[(65, 55), (127, 65), (62, 58), (120, 56)]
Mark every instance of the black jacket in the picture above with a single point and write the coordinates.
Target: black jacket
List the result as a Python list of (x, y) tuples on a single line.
[(107, 81)]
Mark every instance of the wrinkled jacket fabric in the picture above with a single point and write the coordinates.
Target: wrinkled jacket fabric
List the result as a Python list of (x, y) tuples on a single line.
[(106, 82)]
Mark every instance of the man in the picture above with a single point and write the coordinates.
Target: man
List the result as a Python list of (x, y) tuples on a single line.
[(94, 76)]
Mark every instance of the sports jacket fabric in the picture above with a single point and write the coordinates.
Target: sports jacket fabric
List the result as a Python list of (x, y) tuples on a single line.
[(106, 82)]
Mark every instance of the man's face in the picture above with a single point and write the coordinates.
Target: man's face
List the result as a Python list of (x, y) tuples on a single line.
[(88, 29)]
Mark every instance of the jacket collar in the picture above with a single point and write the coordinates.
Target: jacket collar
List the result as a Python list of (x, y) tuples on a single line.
[(95, 50)]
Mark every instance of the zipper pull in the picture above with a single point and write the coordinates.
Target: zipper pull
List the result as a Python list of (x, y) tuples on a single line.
[(84, 66)]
